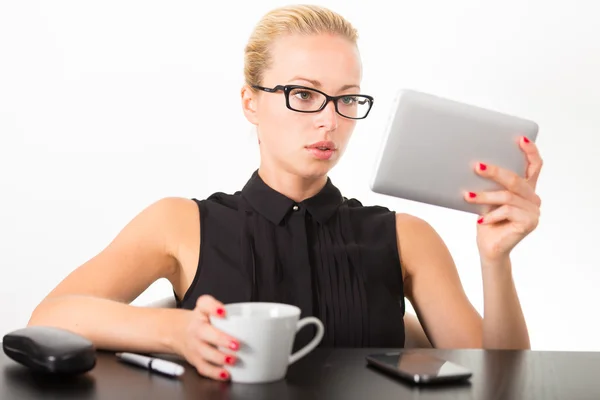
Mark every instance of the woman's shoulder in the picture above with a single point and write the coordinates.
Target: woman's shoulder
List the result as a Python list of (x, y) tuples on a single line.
[(366, 213), (220, 211), (369, 222), (373, 213), (219, 203), (356, 206), (169, 209), (178, 216)]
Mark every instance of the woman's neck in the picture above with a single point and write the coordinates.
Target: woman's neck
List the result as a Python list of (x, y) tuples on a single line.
[(291, 185)]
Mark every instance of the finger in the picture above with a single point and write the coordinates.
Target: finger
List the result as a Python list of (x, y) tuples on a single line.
[(510, 180), (534, 160), (214, 356), (499, 198), (212, 335), (523, 221), (210, 306), (208, 370)]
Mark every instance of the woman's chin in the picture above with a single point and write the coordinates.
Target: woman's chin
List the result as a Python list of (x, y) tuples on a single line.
[(316, 169)]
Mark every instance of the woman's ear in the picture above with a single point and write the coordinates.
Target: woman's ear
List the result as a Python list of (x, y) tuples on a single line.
[(250, 104)]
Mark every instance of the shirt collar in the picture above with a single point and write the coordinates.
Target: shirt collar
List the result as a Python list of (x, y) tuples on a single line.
[(275, 206)]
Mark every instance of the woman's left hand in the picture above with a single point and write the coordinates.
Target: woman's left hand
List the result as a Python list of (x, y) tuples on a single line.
[(516, 209)]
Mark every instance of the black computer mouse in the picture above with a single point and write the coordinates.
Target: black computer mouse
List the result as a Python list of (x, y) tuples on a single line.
[(50, 350)]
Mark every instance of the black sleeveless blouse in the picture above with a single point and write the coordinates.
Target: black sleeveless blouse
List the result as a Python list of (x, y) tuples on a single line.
[(330, 256)]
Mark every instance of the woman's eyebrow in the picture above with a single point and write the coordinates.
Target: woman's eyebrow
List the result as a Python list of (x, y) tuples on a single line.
[(318, 84)]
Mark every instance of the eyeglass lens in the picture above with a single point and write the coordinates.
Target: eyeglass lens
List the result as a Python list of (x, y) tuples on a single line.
[(306, 100)]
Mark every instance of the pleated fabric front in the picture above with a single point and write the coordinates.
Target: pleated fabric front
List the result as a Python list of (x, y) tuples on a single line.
[(332, 257)]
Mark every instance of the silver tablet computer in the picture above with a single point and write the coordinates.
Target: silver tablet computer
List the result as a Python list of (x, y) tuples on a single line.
[(431, 146)]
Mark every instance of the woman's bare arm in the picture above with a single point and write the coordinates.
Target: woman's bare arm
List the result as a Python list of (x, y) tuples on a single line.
[(433, 286), (94, 299)]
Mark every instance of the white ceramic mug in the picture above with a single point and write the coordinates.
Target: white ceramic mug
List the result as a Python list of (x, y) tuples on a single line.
[(266, 333)]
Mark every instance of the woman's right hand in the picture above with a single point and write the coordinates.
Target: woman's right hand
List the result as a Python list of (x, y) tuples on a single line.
[(200, 340)]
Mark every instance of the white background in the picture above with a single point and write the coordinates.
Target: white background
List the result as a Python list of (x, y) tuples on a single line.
[(107, 106)]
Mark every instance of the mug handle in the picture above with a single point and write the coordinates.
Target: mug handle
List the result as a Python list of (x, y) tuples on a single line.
[(313, 343)]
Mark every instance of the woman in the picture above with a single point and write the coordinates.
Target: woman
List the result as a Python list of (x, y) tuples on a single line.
[(290, 236)]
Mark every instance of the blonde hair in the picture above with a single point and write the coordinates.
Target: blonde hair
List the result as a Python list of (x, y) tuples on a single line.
[(294, 19)]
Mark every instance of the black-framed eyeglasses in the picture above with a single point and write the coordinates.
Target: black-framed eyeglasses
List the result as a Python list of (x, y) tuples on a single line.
[(309, 100)]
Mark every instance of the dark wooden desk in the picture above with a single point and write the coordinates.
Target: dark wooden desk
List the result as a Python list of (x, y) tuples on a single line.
[(327, 374)]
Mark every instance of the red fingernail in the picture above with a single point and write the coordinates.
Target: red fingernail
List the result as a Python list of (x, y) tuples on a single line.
[(234, 346), (482, 166), (229, 360), (220, 311), (525, 139), (480, 220), (223, 375), (471, 194)]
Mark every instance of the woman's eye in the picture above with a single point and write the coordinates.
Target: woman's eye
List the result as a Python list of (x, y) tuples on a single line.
[(303, 95)]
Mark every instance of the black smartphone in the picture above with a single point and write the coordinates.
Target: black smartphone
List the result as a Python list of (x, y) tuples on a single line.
[(419, 367)]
